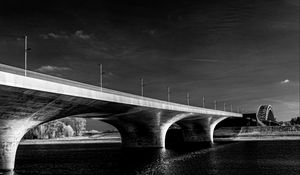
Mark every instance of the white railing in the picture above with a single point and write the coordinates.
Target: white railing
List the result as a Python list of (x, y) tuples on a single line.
[(31, 74)]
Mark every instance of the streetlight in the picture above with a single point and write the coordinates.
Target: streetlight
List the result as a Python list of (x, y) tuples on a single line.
[(26, 49), (169, 94), (215, 104), (231, 108), (25, 55), (142, 87), (101, 73), (224, 106), (203, 102), (188, 98)]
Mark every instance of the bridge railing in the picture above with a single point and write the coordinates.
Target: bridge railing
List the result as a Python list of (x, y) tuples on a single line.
[(32, 74)]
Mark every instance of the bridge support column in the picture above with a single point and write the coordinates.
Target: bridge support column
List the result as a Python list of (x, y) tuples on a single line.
[(199, 130), (145, 129), (141, 135), (144, 138), (11, 132)]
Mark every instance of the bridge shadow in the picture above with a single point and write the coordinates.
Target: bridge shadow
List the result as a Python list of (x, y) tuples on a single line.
[(227, 128), (175, 141)]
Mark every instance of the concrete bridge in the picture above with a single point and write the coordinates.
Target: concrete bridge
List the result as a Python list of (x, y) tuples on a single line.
[(26, 102)]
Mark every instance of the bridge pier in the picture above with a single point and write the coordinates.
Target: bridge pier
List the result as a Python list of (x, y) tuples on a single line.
[(141, 133), (199, 130), (11, 132), (8, 149), (143, 138)]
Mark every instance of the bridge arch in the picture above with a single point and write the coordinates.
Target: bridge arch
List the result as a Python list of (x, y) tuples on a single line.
[(91, 124), (265, 114), (138, 127), (12, 131), (196, 128)]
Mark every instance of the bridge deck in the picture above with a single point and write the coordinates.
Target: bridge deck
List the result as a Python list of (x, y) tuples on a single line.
[(14, 77)]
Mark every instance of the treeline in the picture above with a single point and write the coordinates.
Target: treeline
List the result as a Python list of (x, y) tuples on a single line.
[(295, 121), (66, 127)]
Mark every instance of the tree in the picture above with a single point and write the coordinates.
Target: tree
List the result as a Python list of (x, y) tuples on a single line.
[(34, 133), (295, 121), (53, 129), (68, 131), (78, 124), (58, 128)]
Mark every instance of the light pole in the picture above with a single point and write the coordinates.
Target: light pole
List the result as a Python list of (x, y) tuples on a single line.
[(101, 78), (203, 102), (224, 106), (231, 108), (169, 94), (188, 98), (142, 87), (215, 104), (25, 55)]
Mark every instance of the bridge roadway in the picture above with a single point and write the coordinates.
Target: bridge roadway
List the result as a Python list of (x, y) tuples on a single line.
[(26, 102)]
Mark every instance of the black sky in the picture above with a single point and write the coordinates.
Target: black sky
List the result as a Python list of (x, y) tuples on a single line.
[(242, 52)]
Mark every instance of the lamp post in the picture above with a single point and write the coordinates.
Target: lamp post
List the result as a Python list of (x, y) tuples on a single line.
[(169, 94), (231, 108), (142, 87), (203, 102), (188, 98), (215, 104), (224, 106), (25, 55), (101, 78)]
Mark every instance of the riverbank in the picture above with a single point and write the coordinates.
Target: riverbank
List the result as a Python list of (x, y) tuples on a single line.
[(257, 133), (107, 138)]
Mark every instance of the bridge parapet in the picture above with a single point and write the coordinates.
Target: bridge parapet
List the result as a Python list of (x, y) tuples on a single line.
[(14, 77)]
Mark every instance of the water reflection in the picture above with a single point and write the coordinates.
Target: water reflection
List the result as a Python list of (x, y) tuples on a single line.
[(8, 173), (230, 158), (100, 158), (174, 156)]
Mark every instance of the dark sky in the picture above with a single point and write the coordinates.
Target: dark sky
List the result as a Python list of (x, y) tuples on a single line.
[(242, 52)]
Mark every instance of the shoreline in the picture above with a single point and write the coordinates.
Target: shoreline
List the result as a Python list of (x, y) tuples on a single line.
[(74, 140), (257, 138), (71, 140), (257, 133), (252, 133)]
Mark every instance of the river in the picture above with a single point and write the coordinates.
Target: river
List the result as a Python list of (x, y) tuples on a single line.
[(238, 158)]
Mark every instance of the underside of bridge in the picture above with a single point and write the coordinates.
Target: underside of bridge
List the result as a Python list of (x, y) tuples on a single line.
[(23, 109)]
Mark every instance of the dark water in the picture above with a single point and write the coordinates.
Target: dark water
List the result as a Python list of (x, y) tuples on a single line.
[(265, 157)]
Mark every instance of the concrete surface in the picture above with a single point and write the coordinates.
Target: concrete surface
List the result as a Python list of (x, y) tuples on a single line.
[(26, 102)]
